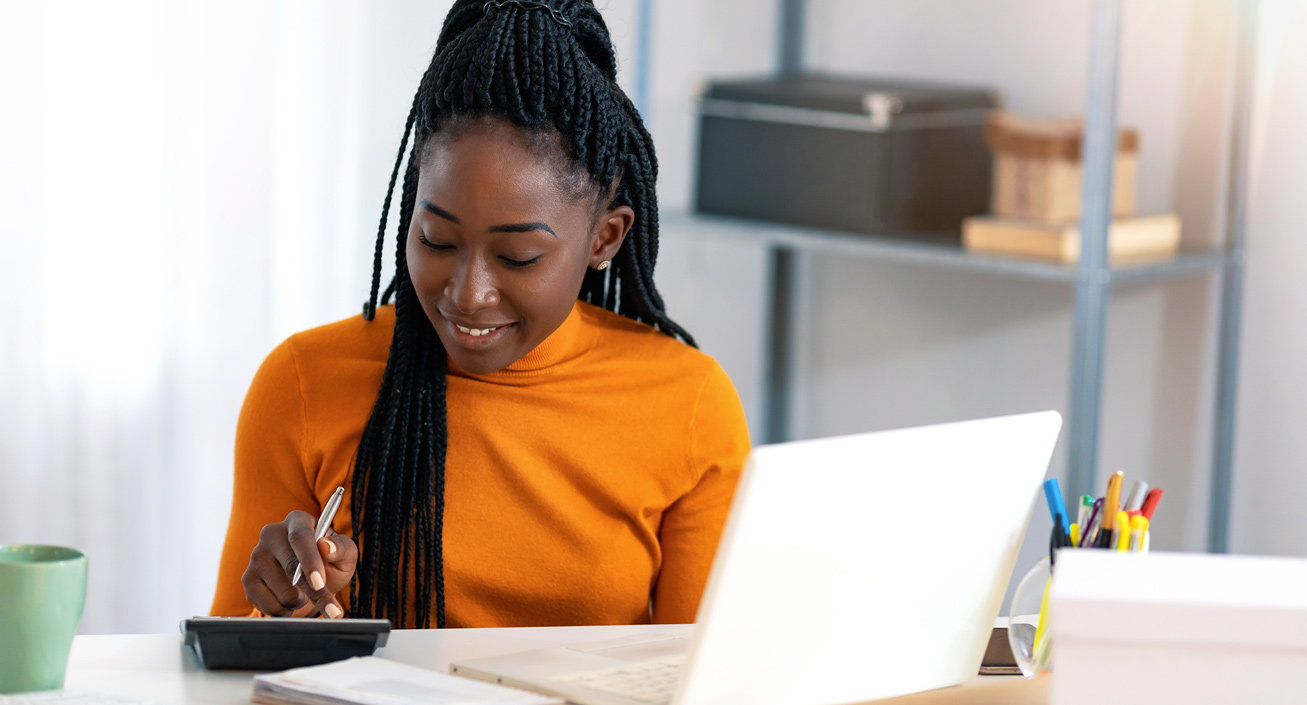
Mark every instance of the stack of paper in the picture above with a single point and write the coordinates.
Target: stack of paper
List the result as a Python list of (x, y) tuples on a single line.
[(376, 681)]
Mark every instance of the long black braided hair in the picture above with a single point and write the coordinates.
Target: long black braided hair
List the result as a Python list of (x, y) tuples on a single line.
[(543, 67)]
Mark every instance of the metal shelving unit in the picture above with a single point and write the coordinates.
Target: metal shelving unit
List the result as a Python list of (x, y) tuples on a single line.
[(914, 252), (1092, 278)]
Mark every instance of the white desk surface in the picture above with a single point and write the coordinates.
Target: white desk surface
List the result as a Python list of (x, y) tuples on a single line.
[(158, 668)]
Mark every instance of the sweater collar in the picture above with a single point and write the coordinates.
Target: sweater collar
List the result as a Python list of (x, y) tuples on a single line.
[(568, 342)]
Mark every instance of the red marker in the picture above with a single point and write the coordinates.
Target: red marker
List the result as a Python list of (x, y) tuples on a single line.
[(1150, 503)]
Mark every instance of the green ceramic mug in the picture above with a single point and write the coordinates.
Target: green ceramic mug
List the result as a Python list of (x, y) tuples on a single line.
[(42, 589)]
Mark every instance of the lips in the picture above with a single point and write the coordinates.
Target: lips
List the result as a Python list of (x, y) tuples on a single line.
[(476, 332), (477, 335)]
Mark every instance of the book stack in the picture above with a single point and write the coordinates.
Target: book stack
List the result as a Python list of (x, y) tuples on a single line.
[(1035, 202)]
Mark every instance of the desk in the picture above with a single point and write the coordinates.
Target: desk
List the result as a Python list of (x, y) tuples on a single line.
[(158, 668)]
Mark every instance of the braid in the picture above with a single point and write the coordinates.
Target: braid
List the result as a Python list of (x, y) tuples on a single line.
[(370, 308), (544, 69)]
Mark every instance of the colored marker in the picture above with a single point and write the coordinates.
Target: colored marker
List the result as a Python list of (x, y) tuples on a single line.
[(1075, 534), (1111, 503), (1043, 612), (1053, 494), (1138, 529), (1136, 499), (1150, 503), (1056, 540), (1086, 507), (1089, 537), (1121, 534)]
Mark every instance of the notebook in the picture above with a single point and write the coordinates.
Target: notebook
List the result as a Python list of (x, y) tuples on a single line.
[(369, 680), (850, 569)]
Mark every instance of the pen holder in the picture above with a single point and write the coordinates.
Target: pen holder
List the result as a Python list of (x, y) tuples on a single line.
[(1027, 631)]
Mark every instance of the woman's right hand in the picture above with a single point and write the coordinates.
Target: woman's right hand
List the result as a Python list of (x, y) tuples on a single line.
[(328, 566)]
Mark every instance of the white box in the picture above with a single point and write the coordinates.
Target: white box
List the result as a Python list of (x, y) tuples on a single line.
[(1140, 629)]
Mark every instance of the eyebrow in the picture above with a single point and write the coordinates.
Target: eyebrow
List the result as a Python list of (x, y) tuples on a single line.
[(523, 228), (440, 211), (509, 228)]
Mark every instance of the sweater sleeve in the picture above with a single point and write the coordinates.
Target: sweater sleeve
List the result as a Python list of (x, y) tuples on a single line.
[(691, 527), (270, 477)]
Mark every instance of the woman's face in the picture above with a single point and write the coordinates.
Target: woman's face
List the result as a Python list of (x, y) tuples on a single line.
[(499, 243)]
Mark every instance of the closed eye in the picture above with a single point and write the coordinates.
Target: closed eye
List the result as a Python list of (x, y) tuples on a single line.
[(444, 247), (519, 263), (438, 248)]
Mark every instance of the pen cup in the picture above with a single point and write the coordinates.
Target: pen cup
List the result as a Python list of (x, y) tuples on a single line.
[(1027, 631), (42, 590)]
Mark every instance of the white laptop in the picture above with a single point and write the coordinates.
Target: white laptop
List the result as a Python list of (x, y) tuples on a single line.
[(850, 569)]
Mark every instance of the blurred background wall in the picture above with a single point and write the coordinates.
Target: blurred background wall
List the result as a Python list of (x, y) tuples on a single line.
[(183, 183)]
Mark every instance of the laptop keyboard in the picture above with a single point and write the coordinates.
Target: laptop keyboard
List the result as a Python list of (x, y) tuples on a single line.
[(650, 682)]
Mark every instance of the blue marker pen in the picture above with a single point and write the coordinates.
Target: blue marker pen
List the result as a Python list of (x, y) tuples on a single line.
[(1053, 493)]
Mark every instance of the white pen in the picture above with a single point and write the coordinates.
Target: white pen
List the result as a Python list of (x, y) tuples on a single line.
[(324, 523)]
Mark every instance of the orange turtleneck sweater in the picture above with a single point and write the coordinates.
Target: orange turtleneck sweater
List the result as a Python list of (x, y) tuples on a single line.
[(582, 481)]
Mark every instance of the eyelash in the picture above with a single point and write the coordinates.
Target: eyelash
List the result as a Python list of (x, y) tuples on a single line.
[(514, 263), (520, 264), (438, 248)]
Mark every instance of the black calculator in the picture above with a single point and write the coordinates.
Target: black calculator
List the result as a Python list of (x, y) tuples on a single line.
[(274, 644)]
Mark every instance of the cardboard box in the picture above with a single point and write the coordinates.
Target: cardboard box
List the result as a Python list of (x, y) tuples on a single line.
[(1128, 239), (1037, 169), (1198, 629), (886, 157)]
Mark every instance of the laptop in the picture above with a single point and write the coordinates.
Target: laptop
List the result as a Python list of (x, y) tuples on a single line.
[(850, 569)]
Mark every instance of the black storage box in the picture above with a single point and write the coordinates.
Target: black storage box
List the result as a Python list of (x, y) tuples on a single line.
[(902, 159)]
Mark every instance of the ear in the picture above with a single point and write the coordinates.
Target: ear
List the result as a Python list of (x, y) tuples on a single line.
[(610, 233)]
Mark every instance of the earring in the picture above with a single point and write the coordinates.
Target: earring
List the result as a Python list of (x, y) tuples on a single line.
[(603, 265)]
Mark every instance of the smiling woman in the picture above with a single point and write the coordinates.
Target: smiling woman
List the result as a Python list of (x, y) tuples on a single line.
[(494, 277), (525, 437)]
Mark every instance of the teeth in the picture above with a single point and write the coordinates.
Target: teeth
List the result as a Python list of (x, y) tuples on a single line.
[(476, 332)]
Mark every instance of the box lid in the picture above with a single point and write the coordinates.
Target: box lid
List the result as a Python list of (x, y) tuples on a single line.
[(1191, 599), (1054, 138), (887, 102)]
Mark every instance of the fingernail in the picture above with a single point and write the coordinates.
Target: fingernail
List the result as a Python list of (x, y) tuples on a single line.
[(315, 579), (333, 611), (331, 547)]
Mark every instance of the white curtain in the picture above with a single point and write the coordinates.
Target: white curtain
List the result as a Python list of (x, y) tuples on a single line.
[(179, 190)]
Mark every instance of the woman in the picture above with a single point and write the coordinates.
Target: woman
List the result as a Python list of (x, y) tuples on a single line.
[(525, 437)]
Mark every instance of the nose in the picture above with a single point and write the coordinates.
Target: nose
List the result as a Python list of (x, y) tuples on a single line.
[(471, 286)]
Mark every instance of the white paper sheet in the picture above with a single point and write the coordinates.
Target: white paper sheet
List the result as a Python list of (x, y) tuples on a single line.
[(376, 681)]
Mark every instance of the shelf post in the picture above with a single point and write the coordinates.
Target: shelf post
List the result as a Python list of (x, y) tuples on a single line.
[(780, 337), (1232, 276), (779, 364), (1093, 273), (643, 52), (792, 28)]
